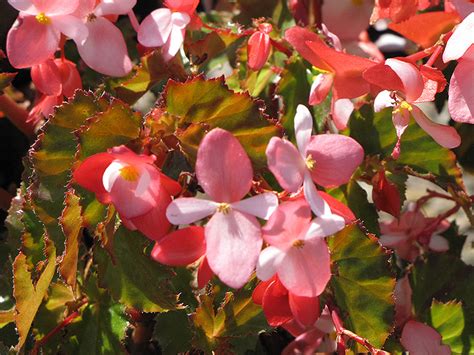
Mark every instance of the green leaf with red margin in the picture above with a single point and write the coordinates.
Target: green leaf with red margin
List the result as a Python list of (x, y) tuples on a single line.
[(198, 105), (132, 277), (234, 325), (29, 295), (5, 80), (376, 134), (362, 284), (71, 222), (425, 29)]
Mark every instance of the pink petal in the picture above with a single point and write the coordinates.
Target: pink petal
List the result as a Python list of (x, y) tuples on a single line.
[(223, 168), (410, 77), (172, 186), (258, 50), (56, 7), (394, 240), (261, 206), (106, 39), (336, 157), (187, 6), (233, 244), (418, 338), (114, 7), (461, 94), (305, 271), (204, 274), (180, 248), (461, 40), (383, 100), (89, 174), (403, 293), (71, 80), (155, 29), (306, 310), (400, 119), (445, 136), (186, 210), (303, 128), (463, 7), (30, 42), (72, 27), (337, 207), (290, 221), (25, 6), (438, 243), (320, 88), (268, 262), (259, 291), (324, 226), (317, 203), (285, 162), (298, 38), (305, 343), (341, 111), (46, 78)]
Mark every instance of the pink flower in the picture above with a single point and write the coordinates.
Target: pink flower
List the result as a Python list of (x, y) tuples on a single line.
[(403, 304), (327, 159), (411, 230), (403, 86), (418, 338), (460, 47), (297, 251), (233, 234), (259, 47), (133, 184), (166, 27), (104, 49), (35, 36)]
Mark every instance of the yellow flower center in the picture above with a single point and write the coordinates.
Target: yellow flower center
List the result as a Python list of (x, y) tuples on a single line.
[(298, 243), (403, 106), (310, 162), (129, 173), (223, 207), (43, 19)]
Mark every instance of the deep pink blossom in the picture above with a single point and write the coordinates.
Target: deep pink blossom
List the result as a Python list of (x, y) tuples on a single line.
[(402, 85), (327, 159), (166, 27), (259, 47), (413, 229), (233, 234), (297, 251), (460, 47), (134, 185)]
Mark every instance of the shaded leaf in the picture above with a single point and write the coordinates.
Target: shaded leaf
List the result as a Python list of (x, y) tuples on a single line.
[(132, 278), (363, 285), (173, 332), (5, 80)]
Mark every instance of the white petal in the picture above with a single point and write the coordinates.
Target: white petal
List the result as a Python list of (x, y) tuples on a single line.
[(317, 203), (111, 174), (303, 128), (261, 206), (268, 262), (187, 210), (383, 100), (325, 225)]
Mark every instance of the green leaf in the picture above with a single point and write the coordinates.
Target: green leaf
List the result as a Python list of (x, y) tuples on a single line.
[(294, 88), (5, 80), (173, 332), (132, 278), (448, 320), (363, 285), (199, 105), (375, 132), (29, 296)]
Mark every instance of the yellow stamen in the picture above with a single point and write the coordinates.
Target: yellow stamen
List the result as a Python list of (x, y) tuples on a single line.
[(403, 106), (310, 162), (223, 207), (321, 71), (91, 17), (299, 243), (129, 173), (43, 19)]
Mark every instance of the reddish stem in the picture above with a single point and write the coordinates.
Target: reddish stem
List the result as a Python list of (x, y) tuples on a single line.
[(282, 48), (434, 56), (17, 115), (133, 20)]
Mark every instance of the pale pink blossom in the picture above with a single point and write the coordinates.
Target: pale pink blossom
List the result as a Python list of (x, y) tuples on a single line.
[(35, 35), (327, 159), (460, 47), (166, 27), (233, 234), (418, 338), (297, 251), (404, 85), (412, 230)]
